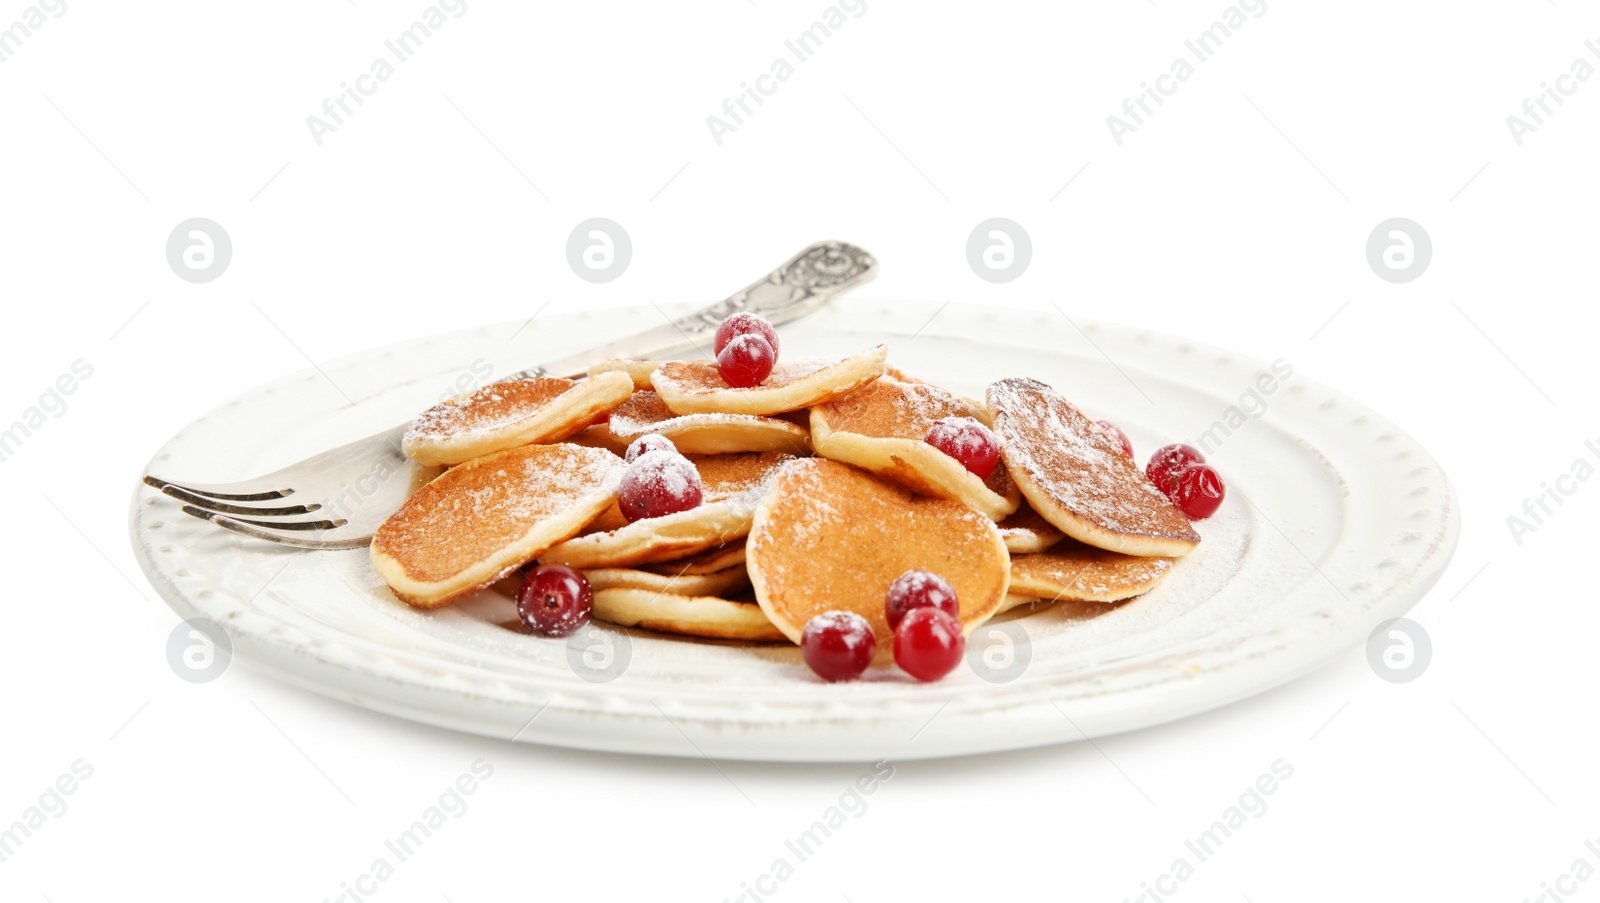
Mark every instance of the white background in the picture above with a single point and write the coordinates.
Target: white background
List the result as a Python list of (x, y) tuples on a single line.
[(1238, 215)]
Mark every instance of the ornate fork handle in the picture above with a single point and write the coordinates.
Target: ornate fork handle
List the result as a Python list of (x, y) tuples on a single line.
[(352, 489), (807, 281), (817, 274)]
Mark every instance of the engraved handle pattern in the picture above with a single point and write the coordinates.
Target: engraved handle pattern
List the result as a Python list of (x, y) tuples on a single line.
[(810, 279)]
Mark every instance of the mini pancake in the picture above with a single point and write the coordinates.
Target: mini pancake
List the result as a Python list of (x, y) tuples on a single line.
[(1065, 609), (1013, 600), (882, 427), (712, 617), (483, 519), (646, 413), (598, 436), (1077, 477), (1072, 570), (979, 410), (506, 415), (728, 580), (831, 536), (708, 562), (638, 371), (695, 387), (1025, 531), (732, 486)]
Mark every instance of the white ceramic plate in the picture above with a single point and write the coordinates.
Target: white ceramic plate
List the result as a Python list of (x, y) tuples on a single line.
[(1334, 520)]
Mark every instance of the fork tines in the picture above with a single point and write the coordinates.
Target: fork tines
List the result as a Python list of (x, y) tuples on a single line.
[(222, 509)]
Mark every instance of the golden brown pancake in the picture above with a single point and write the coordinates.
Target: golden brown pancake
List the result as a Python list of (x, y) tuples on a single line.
[(979, 410), (1072, 570), (732, 486), (831, 536), (709, 616), (1014, 600), (695, 387), (725, 476), (483, 519), (1077, 477), (646, 413), (505, 415), (710, 561), (728, 580), (638, 371), (1025, 531), (883, 427), (598, 436), (1064, 609)]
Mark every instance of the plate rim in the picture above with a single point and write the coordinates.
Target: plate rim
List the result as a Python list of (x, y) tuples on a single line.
[(574, 722)]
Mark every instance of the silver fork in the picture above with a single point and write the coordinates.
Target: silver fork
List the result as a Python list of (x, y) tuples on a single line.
[(337, 499)]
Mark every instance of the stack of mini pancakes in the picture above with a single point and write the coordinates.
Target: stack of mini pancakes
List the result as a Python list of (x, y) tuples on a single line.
[(819, 490)]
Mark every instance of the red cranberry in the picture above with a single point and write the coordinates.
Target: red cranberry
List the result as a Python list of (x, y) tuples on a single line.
[(743, 323), (928, 644), (838, 645), (1197, 490), (1117, 434), (969, 442), (555, 600), (658, 483), (649, 443), (746, 361), (1167, 459), (919, 589)]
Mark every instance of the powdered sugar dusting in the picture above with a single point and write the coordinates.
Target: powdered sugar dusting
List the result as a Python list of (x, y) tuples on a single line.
[(846, 627), (1073, 570), (486, 410), (697, 386), (639, 415), (1079, 465), (891, 408), (832, 619), (831, 536), (725, 476), (665, 466), (644, 412), (919, 582), (478, 508), (734, 483), (1025, 525), (698, 377), (966, 435)]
